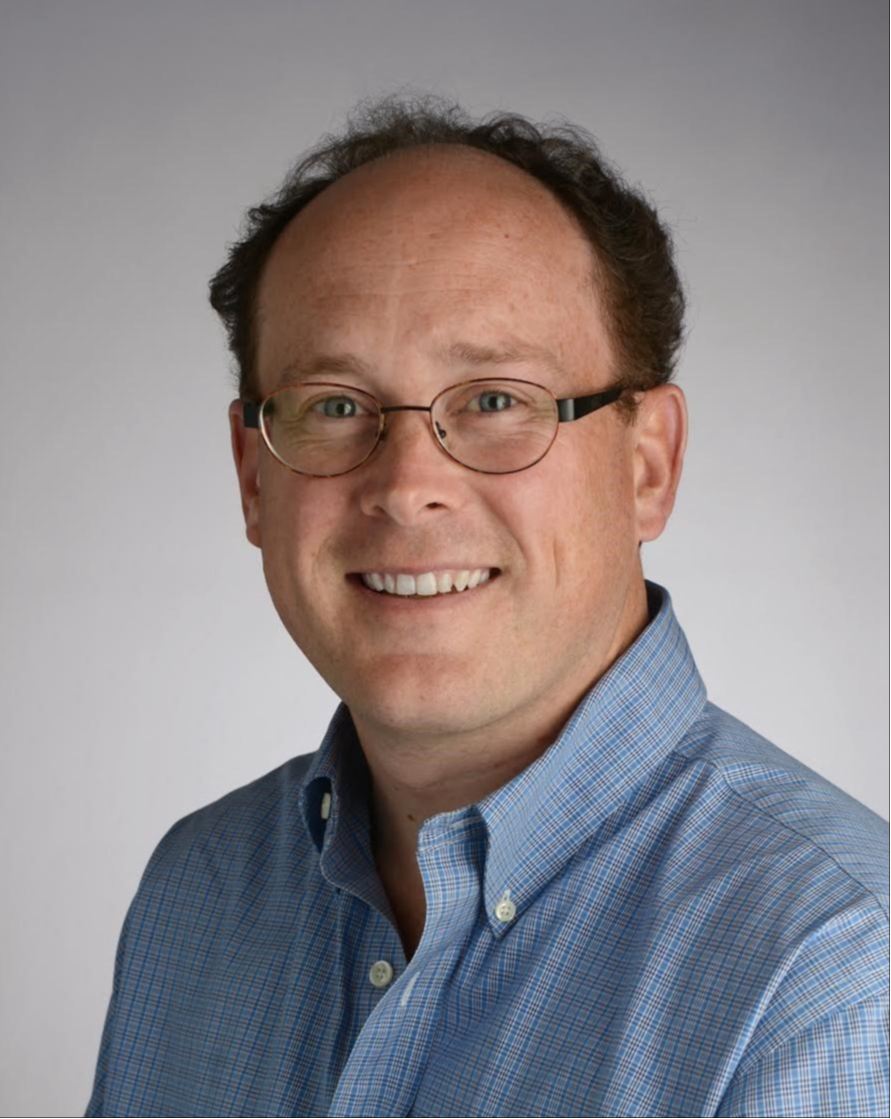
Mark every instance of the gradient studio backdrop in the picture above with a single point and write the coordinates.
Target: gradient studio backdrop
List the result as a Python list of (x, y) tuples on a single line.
[(145, 672)]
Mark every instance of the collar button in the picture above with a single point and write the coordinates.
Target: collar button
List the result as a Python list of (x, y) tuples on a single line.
[(505, 910)]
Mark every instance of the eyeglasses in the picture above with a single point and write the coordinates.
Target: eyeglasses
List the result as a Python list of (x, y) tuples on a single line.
[(497, 426)]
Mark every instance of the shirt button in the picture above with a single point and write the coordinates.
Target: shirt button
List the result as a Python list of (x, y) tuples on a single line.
[(381, 973), (505, 910)]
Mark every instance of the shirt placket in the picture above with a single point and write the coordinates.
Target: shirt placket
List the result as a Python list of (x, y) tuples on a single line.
[(384, 1069)]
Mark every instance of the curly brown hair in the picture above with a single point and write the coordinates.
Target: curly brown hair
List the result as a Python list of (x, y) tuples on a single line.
[(643, 293)]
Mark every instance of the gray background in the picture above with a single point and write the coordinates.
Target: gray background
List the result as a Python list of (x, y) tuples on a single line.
[(144, 670)]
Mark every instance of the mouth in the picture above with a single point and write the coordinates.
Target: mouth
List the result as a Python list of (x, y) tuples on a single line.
[(424, 587), (413, 602)]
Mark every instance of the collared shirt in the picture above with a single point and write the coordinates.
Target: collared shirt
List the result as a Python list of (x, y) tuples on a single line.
[(664, 915)]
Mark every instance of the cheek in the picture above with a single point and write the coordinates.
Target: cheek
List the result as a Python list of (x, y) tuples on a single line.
[(585, 514), (295, 522), (280, 519), (584, 485)]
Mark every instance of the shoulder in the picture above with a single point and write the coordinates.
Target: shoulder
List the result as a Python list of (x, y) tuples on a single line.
[(800, 871), (221, 843), (233, 865), (819, 826)]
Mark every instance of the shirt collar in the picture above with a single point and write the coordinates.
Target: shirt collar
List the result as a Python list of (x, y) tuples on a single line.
[(619, 734)]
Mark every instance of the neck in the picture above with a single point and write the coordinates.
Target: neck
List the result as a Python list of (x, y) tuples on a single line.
[(415, 777)]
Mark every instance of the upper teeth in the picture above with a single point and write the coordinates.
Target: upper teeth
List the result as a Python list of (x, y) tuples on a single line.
[(431, 582)]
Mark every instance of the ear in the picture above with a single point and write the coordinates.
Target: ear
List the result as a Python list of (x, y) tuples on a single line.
[(245, 451), (660, 442)]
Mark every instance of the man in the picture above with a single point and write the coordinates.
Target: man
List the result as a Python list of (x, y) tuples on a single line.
[(530, 870)]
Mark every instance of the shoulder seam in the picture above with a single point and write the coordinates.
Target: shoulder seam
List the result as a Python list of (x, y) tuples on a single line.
[(788, 827)]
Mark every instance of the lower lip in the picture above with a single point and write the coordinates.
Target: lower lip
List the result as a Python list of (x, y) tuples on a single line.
[(421, 601)]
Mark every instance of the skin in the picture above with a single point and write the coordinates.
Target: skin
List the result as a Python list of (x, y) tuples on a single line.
[(394, 264)]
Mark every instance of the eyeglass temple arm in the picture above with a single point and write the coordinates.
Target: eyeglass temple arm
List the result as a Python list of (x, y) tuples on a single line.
[(251, 413), (573, 408)]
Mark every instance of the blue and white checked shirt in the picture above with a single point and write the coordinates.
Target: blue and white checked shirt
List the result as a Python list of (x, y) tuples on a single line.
[(664, 915)]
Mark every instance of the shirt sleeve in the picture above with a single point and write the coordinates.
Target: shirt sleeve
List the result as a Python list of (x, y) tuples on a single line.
[(96, 1106), (837, 1066), (109, 1073), (820, 1046)]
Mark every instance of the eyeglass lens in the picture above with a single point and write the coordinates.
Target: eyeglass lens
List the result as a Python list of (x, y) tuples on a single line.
[(494, 426)]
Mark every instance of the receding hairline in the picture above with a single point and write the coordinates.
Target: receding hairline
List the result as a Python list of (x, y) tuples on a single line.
[(537, 199)]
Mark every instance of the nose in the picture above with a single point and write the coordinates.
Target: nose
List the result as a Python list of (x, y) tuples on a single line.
[(409, 477), (399, 430)]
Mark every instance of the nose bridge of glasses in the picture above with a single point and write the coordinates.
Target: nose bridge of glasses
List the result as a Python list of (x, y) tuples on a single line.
[(389, 409), (405, 408)]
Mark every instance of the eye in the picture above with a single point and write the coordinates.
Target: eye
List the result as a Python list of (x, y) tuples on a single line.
[(339, 407), (494, 400)]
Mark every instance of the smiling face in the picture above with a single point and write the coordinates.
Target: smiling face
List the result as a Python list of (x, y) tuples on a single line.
[(407, 276)]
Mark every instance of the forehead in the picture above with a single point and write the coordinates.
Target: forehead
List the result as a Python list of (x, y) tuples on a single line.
[(429, 249)]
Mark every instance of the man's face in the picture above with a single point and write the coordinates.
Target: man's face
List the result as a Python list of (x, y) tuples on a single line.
[(393, 268)]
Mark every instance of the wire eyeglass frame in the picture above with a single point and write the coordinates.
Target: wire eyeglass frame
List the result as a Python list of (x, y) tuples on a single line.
[(568, 409)]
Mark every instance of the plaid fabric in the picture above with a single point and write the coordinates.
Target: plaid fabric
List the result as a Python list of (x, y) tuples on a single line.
[(664, 915)]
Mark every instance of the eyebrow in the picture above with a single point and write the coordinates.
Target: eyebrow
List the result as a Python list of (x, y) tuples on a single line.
[(458, 353)]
